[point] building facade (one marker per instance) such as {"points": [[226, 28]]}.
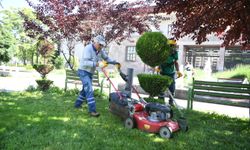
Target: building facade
{"points": [[220, 58]]}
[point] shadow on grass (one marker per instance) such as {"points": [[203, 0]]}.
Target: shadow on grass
{"points": [[36, 120]]}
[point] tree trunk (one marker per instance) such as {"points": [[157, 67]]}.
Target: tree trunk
{"points": [[32, 59], [24, 62], [37, 55]]}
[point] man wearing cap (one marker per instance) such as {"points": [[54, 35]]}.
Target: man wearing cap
{"points": [[89, 60], [171, 67]]}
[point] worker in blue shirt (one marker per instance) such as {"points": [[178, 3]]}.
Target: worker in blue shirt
{"points": [[89, 60]]}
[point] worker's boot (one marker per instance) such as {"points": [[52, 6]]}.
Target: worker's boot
{"points": [[94, 114]]}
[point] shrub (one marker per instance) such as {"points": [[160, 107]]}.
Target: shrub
{"points": [[28, 67], [154, 84], [97, 93], [31, 88], [43, 69], [59, 62], [55, 89], [44, 84], [52, 89], [46, 49], [153, 100], [152, 48], [72, 92]]}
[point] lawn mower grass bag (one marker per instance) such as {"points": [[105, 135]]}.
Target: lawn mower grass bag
{"points": [[118, 106]]}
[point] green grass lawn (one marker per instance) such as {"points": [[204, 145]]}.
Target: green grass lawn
{"points": [[36, 120], [240, 71]]}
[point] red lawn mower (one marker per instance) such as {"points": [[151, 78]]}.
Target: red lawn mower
{"points": [[149, 117]]}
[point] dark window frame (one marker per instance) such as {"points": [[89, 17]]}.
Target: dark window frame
{"points": [[130, 56]]}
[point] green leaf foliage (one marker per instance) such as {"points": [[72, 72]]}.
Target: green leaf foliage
{"points": [[44, 84], [154, 100], [13, 38], [43, 69], [240, 71], [154, 84], [5, 43], [4, 56], [58, 62], [152, 48]]}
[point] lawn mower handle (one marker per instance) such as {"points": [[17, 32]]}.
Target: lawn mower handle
{"points": [[106, 75], [123, 75]]}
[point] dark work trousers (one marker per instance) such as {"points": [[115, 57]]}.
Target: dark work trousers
{"points": [[87, 92], [171, 88]]}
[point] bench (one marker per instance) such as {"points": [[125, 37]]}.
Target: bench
{"points": [[230, 80], [222, 92], [73, 78], [7, 70]]}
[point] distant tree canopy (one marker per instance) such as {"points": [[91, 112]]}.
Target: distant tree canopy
{"points": [[13, 35], [5, 39], [229, 19]]}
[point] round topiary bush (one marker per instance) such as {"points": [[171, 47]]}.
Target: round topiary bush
{"points": [[154, 84], [152, 48]]}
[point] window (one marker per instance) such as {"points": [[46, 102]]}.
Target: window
{"points": [[199, 56], [130, 53], [235, 56]]}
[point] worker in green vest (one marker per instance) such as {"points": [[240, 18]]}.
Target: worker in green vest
{"points": [[171, 68]]}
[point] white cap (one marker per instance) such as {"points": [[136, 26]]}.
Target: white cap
{"points": [[100, 39]]}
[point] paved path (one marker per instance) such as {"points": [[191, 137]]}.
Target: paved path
{"points": [[20, 81], [231, 111]]}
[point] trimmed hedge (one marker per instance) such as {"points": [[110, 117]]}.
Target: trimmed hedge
{"points": [[43, 69], [152, 48], [153, 100], [154, 84], [44, 84]]}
